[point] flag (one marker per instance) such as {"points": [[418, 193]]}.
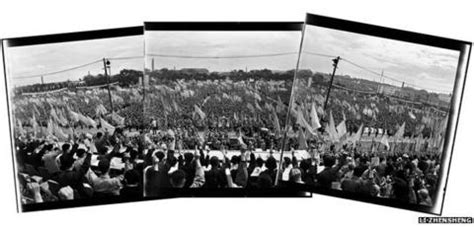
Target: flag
{"points": [[53, 115], [385, 142], [314, 118], [303, 123], [50, 129], [106, 126], [202, 137], [73, 115], [412, 116], [34, 124], [241, 141], [86, 120], [59, 133], [92, 122], [20, 127], [258, 106], [419, 142], [276, 122], [119, 120], [356, 137], [302, 144], [400, 132], [176, 106], [250, 107], [199, 112], [280, 106], [100, 110], [341, 129], [331, 129], [62, 120], [205, 100]]}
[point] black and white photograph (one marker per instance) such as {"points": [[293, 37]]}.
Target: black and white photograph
{"points": [[75, 105], [373, 113], [216, 99]]}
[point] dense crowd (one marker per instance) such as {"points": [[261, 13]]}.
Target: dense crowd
{"points": [[203, 168], [404, 177], [86, 167], [184, 122]]}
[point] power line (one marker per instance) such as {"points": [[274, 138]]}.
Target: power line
{"points": [[388, 77], [320, 54], [222, 57], [126, 58], [57, 72]]}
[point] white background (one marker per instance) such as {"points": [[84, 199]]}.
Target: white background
{"points": [[441, 18]]}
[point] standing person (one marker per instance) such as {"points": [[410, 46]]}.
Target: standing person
{"points": [[68, 176], [102, 183], [329, 174]]}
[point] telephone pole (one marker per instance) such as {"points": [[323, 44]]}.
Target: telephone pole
{"points": [[379, 90], [107, 65], [335, 62]]}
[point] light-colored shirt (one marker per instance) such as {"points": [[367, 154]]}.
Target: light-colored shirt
{"points": [[104, 183]]}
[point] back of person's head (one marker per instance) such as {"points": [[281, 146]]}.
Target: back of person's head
{"points": [[132, 177], [271, 163], [80, 153], [264, 181], [329, 160], [98, 135], [295, 175], [235, 160], [160, 155], [104, 165], [259, 162], [188, 157], [171, 161], [66, 147], [178, 179], [305, 164], [133, 154], [358, 171], [214, 161], [66, 161], [102, 150], [49, 147], [286, 162], [423, 193]]}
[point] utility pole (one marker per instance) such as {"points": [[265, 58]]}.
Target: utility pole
{"points": [[380, 83], [335, 62], [152, 64], [42, 80], [107, 65]]}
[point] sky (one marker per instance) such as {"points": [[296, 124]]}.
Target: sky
{"points": [[25, 63], [421, 66], [222, 44]]}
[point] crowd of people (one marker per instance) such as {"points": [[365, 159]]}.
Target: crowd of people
{"points": [[203, 168], [403, 177], [220, 134], [86, 167]]}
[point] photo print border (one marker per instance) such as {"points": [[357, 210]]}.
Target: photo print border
{"points": [[51, 39], [227, 26], [464, 49]]}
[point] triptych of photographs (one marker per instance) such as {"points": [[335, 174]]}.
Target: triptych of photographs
{"points": [[234, 109]]}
